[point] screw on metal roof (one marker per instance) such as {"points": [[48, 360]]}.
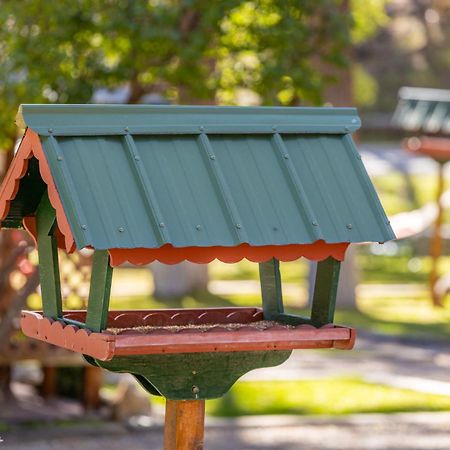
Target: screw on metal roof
{"points": [[121, 229], [198, 227], [84, 227], [349, 226], [162, 225], [59, 158]]}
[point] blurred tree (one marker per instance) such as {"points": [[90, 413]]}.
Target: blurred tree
{"points": [[413, 50], [188, 51]]}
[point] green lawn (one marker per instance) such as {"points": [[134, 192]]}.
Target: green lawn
{"points": [[329, 396]]}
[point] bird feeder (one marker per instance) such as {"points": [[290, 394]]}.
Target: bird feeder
{"points": [[425, 115], [171, 183]]}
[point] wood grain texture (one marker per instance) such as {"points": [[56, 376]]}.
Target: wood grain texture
{"points": [[184, 425]]}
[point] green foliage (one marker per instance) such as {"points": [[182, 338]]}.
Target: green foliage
{"points": [[368, 16], [186, 50]]}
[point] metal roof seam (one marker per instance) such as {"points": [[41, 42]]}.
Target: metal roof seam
{"points": [[362, 174], [305, 207], [151, 204], [64, 184]]}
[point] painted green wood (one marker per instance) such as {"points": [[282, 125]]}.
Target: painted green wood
{"points": [[99, 292], [257, 183], [271, 291], [423, 110], [325, 289], [191, 376], [48, 260]]}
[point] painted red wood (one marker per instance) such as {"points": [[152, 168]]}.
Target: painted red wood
{"points": [[133, 340], [29, 147], [168, 254], [436, 148]]}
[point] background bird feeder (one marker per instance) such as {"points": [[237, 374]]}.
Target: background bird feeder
{"points": [[425, 114], [173, 183]]}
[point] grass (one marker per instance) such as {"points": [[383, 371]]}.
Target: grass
{"points": [[330, 396]]}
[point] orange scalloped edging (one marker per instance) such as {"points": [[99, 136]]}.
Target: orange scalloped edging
{"points": [[168, 254], [78, 340], [31, 146]]}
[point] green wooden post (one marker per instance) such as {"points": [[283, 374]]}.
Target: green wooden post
{"points": [[325, 289], [99, 292], [272, 299], [48, 260]]}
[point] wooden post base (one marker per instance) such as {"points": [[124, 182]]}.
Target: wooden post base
{"points": [[184, 425]]}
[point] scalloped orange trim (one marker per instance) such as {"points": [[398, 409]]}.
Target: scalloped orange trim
{"points": [[168, 254], [78, 340], [31, 146]]}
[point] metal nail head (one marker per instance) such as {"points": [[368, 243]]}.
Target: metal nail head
{"points": [[84, 227], [238, 225], [349, 226], [59, 158], [314, 222], [121, 229], [195, 390], [162, 225], [198, 227]]}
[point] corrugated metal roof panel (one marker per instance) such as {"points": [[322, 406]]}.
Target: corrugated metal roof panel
{"points": [[423, 110], [204, 189], [72, 120]]}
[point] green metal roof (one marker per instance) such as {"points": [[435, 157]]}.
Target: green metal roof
{"points": [[423, 110], [144, 176]]}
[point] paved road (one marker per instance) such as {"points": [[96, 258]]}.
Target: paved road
{"points": [[362, 432]]}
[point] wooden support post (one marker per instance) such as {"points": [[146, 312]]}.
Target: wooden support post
{"points": [[49, 388], [436, 239], [325, 289], [93, 378], [184, 425], [272, 299], [48, 260]]}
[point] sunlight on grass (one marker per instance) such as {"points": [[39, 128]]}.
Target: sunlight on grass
{"points": [[331, 396]]}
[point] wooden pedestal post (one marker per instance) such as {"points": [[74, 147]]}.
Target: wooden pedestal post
{"points": [[436, 239], [184, 425]]}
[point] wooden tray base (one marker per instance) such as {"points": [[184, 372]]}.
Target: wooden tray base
{"points": [[174, 331]]}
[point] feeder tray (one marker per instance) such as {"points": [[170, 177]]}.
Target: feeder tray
{"points": [[182, 331]]}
